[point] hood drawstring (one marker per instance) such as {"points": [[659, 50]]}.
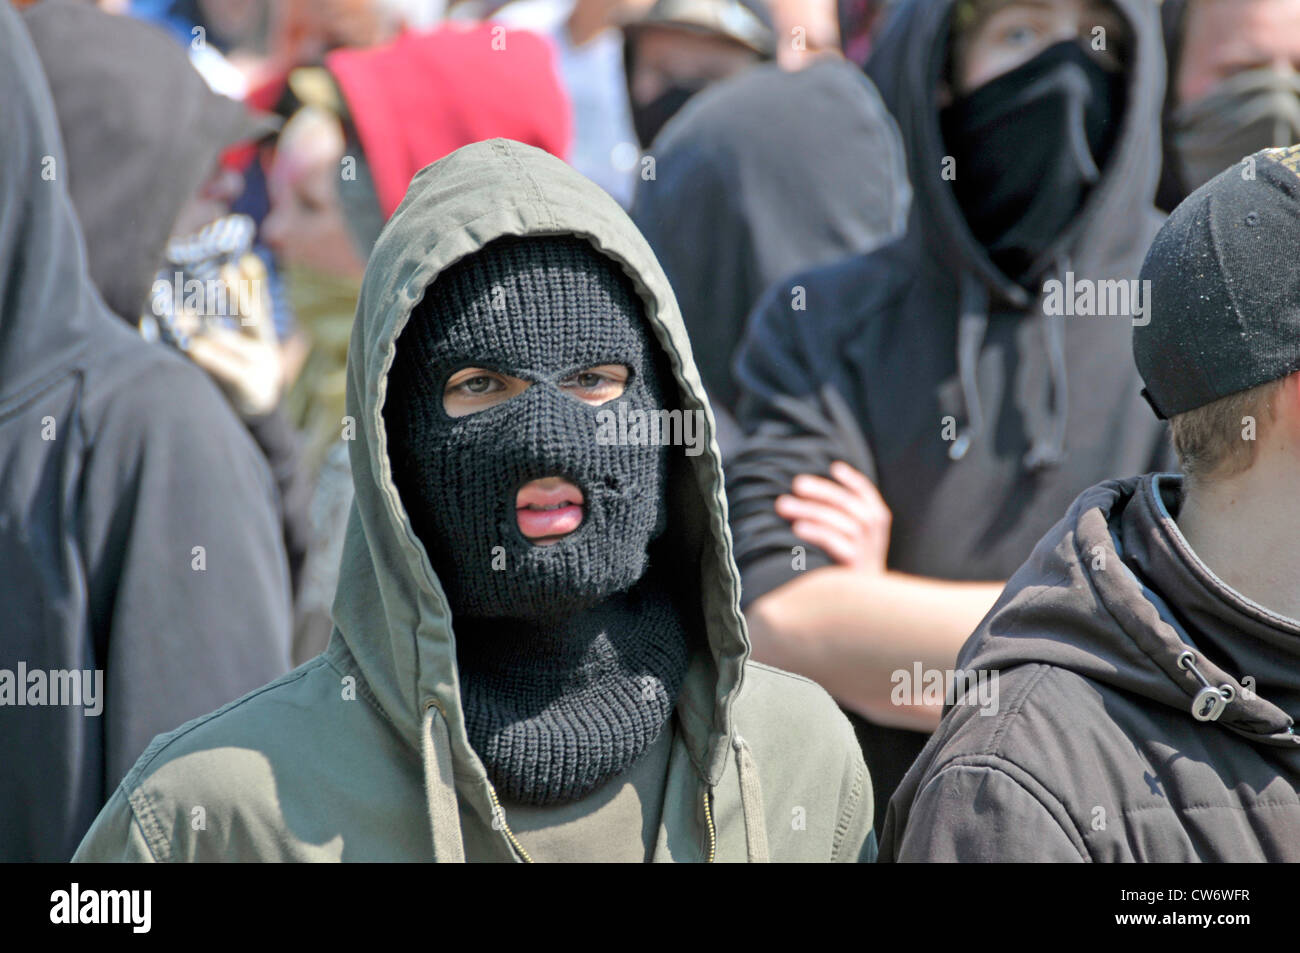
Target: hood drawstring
{"points": [[1209, 702], [751, 802], [1048, 449], [440, 787], [971, 327]]}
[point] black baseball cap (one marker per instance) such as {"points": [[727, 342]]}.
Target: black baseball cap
{"points": [[1224, 298]]}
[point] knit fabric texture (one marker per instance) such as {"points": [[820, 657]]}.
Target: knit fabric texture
{"points": [[567, 673], [543, 310], [555, 712]]}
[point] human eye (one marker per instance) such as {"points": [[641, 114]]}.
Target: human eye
{"points": [[475, 388], [1018, 36], [1019, 29], [598, 384], [483, 384]]}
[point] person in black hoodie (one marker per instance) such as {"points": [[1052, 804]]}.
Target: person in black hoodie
{"points": [[961, 408], [1140, 676], [144, 580], [143, 134], [733, 206]]}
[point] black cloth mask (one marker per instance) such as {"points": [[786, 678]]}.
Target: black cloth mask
{"points": [[649, 118], [1029, 145], [539, 309]]}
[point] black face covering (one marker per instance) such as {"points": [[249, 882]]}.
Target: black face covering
{"points": [[570, 655], [1029, 145], [648, 119], [540, 310]]}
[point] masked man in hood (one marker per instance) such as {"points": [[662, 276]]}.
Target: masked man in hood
{"points": [[369, 120], [538, 651], [145, 135], [1147, 656], [1234, 86], [916, 418], [144, 580]]}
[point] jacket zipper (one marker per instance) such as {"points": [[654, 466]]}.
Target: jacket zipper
{"points": [[708, 820], [498, 812], [510, 835]]}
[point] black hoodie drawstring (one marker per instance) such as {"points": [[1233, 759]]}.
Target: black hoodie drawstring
{"points": [[972, 324], [1048, 449]]}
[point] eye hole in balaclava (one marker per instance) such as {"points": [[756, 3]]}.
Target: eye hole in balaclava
{"points": [[540, 309]]}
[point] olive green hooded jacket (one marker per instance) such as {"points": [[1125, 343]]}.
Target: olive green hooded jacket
{"points": [[361, 754]]}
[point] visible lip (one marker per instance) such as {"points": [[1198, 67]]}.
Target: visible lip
{"points": [[548, 509]]}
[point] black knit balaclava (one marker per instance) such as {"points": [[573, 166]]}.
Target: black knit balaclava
{"points": [[570, 655]]}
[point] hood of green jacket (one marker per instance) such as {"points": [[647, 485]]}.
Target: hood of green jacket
{"points": [[390, 608]]}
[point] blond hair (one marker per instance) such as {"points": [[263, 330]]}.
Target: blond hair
{"points": [[1218, 440]]}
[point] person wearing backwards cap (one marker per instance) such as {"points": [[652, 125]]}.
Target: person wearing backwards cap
{"points": [[1148, 653]]}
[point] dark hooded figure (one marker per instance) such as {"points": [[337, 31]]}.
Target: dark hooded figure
{"points": [[144, 579], [538, 652], [143, 132], [762, 176], [948, 369]]}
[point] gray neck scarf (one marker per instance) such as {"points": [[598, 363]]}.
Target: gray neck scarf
{"points": [[1252, 110]]}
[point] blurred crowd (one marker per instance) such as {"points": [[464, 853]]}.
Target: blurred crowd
{"points": [[897, 434]]}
